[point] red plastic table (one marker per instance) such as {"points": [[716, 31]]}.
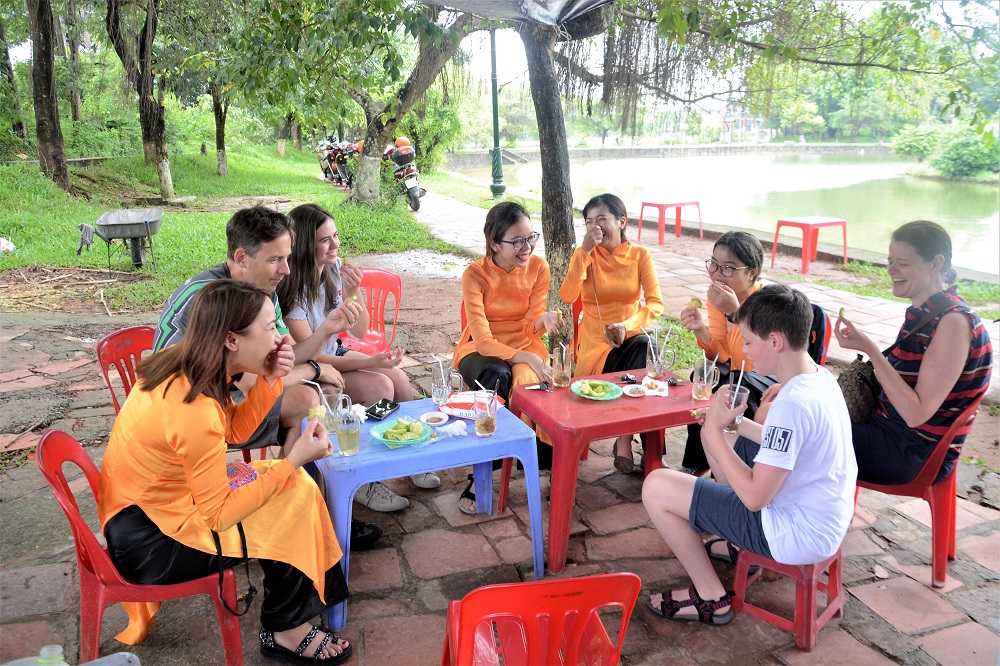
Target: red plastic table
{"points": [[810, 226], [662, 219], [574, 422]]}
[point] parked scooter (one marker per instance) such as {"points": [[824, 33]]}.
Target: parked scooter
{"points": [[324, 148], [333, 160], [405, 172]]}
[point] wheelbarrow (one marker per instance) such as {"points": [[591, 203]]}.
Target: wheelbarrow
{"points": [[135, 227]]}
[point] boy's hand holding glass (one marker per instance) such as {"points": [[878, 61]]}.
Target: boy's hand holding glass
{"points": [[720, 415]]}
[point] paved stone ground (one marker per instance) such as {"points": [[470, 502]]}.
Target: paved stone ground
{"points": [[431, 553]]}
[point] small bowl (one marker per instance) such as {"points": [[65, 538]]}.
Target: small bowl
{"points": [[434, 418], [634, 390]]}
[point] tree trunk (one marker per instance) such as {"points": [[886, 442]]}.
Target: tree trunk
{"points": [[139, 68], [51, 153], [220, 109], [73, 30], [557, 194], [17, 125], [297, 136], [160, 145], [431, 60], [285, 134]]}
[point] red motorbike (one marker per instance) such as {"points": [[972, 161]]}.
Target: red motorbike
{"points": [[404, 170]]}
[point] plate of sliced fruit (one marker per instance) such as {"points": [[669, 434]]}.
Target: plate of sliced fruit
{"points": [[596, 389], [401, 432]]}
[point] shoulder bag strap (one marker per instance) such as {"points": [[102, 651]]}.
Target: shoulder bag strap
{"points": [[935, 312], [248, 597]]}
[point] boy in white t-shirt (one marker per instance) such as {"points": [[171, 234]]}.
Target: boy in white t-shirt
{"points": [[784, 488]]}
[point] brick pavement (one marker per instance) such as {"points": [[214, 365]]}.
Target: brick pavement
{"points": [[431, 553]]}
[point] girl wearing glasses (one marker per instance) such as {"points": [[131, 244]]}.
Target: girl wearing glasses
{"points": [[504, 295], [734, 268], [610, 274]]}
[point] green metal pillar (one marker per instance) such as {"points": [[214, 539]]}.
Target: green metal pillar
{"points": [[498, 187]]}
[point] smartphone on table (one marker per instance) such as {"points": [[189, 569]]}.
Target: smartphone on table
{"points": [[382, 409]]}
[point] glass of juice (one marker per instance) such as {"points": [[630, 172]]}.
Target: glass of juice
{"points": [[485, 405], [704, 379], [735, 397], [348, 428], [562, 367]]}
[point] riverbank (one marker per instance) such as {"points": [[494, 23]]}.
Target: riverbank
{"points": [[481, 158]]}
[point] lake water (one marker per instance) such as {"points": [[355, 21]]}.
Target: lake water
{"points": [[872, 193]]}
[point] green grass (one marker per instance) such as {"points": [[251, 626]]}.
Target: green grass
{"points": [[474, 194], [41, 220], [983, 297]]}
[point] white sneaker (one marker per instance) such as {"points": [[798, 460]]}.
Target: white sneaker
{"points": [[426, 481], [377, 497]]}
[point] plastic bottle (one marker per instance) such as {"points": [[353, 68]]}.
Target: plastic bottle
{"points": [[52, 655]]}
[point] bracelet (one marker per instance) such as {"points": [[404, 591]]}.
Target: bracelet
{"points": [[315, 367]]}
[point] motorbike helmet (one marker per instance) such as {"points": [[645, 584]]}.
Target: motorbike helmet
{"points": [[402, 141], [361, 144]]}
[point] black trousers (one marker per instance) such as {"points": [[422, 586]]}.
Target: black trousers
{"points": [[630, 356], [494, 371], [145, 555]]}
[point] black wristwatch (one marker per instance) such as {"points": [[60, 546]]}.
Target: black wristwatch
{"points": [[315, 367], [731, 317]]}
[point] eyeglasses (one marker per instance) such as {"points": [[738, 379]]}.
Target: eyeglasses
{"points": [[519, 243], [727, 271]]}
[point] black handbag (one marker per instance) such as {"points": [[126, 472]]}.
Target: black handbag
{"points": [[858, 382]]}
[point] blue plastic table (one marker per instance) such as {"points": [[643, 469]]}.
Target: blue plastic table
{"points": [[375, 462]]}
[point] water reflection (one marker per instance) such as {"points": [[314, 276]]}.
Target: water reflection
{"points": [[752, 191]]}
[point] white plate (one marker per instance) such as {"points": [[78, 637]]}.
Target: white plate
{"points": [[634, 390], [439, 418]]}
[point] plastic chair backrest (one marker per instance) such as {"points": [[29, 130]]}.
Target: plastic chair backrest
{"points": [[541, 622], [123, 349], [819, 335], [928, 473], [379, 285], [54, 449]]}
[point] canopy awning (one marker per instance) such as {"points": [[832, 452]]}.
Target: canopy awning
{"points": [[547, 12]]}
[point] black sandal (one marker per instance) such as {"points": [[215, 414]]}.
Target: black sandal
{"points": [[469, 495], [706, 609], [271, 650], [730, 558]]}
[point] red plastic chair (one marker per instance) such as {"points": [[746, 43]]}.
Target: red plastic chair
{"points": [[122, 350], [100, 582], [808, 585], [378, 285], [541, 622], [940, 496]]}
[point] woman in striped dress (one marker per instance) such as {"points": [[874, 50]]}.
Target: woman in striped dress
{"points": [[933, 375]]}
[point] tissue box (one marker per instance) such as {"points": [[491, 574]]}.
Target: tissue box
{"points": [[461, 405]]}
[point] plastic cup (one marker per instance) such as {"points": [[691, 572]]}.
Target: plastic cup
{"points": [[485, 405], [444, 381], [562, 367], [734, 397], [704, 379]]}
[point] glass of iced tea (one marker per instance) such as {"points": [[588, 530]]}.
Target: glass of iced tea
{"points": [[485, 405], [348, 428], [562, 367], [704, 379], [734, 397]]}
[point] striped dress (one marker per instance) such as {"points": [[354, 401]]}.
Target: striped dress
{"points": [[973, 381]]}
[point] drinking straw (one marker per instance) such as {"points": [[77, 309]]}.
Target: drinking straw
{"points": [[319, 389], [481, 386], [740, 381], [714, 360], [440, 365], [656, 358]]}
